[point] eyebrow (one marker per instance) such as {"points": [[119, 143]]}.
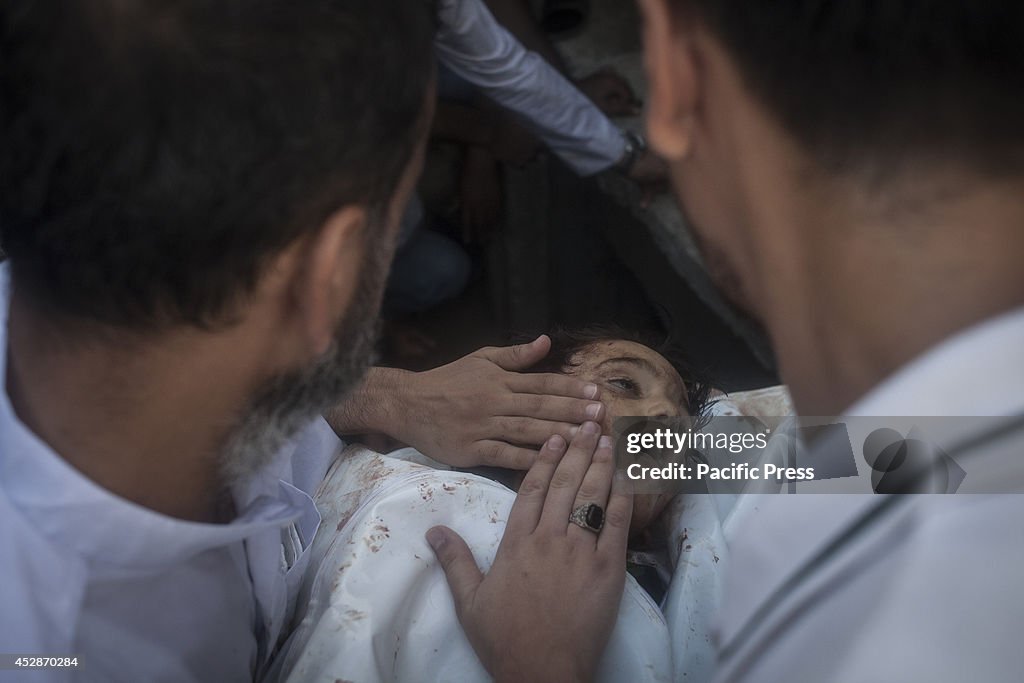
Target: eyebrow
{"points": [[647, 365]]}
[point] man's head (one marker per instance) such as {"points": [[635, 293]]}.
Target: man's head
{"points": [[817, 148], [210, 165]]}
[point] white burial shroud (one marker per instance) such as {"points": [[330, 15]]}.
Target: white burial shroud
{"points": [[378, 607]]}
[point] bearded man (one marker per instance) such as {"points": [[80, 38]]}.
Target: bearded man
{"points": [[199, 206]]}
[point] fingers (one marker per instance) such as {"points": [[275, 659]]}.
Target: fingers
{"points": [[552, 384], [524, 431], [596, 485], [567, 478], [553, 408], [519, 357], [617, 516], [651, 191], [461, 570], [526, 511], [500, 454]]}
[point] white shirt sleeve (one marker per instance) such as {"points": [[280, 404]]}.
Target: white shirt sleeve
{"points": [[474, 46]]}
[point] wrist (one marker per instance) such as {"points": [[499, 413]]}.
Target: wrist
{"points": [[373, 407], [633, 146]]}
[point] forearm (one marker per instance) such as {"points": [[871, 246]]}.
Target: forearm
{"points": [[372, 408], [515, 16], [472, 44]]}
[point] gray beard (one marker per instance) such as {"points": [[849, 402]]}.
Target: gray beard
{"points": [[287, 403]]}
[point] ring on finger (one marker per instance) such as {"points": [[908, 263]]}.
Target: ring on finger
{"points": [[589, 516]]}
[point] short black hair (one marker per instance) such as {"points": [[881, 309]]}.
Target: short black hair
{"points": [[155, 153], [869, 85], [567, 342]]}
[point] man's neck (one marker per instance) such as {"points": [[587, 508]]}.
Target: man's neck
{"points": [[144, 418], [874, 296]]}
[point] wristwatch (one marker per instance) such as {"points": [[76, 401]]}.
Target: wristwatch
{"points": [[635, 145]]}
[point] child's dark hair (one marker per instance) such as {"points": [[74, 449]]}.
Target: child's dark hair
{"points": [[566, 343]]}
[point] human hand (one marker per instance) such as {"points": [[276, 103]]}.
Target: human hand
{"points": [[481, 194], [547, 606], [651, 173], [482, 410], [611, 92], [648, 169]]}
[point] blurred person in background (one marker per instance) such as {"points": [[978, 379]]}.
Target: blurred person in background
{"points": [[502, 102]]}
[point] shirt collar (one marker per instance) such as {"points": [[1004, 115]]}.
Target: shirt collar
{"points": [[76, 513]]}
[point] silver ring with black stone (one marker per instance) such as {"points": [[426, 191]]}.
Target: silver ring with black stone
{"points": [[590, 516]]}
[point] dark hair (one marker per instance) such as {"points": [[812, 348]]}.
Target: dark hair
{"points": [[155, 153], [867, 85], [566, 343]]}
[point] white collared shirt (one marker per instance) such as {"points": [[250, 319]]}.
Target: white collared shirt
{"points": [[137, 595], [929, 591], [473, 45]]}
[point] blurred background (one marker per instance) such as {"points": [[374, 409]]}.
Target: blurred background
{"points": [[542, 246]]}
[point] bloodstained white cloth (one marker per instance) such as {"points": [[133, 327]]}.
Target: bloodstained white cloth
{"points": [[378, 607]]}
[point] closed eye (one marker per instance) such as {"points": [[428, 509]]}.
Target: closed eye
{"points": [[624, 384]]}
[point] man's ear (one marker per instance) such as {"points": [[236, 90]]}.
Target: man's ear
{"points": [[672, 76], [327, 274]]}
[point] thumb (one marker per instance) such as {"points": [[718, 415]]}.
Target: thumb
{"points": [[460, 568], [521, 356]]}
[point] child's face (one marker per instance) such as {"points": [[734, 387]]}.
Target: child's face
{"points": [[635, 381]]}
